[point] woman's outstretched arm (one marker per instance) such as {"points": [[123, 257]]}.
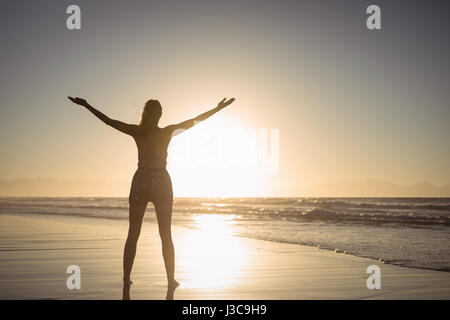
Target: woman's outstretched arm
{"points": [[126, 128], [180, 127]]}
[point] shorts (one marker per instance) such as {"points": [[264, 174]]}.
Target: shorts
{"points": [[151, 185]]}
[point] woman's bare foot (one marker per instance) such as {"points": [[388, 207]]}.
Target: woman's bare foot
{"points": [[171, 286], [126, 290]]}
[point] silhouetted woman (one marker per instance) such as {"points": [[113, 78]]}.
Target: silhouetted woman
{"points": [[151, 182]]}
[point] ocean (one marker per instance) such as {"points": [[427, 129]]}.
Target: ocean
{"points": [[412, 232]]}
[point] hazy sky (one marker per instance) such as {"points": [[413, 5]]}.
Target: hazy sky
{"points": [[348, 103]]}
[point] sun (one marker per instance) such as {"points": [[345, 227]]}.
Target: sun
{"points": [[217, 158]]}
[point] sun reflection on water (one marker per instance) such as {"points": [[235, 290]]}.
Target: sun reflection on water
{"points": [[211, 256], [215, 223]]}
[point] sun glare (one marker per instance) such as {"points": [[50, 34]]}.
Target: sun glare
{"points": [[213, 258], [216, 159]]}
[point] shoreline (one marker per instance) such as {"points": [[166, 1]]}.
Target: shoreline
{"points": [[37, 248], [174, 224]]}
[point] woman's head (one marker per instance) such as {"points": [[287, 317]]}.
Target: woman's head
{"points": [[151, 113]]}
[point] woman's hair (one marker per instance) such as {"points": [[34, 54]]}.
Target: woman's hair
{"points": [[151, 112]]}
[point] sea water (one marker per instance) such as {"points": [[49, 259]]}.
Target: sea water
{"points": [[412, 232]]}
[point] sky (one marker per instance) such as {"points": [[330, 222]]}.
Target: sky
{"points": [[343, 103]]}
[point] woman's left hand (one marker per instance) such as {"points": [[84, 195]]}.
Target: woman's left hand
{"points": [[224, 103]]}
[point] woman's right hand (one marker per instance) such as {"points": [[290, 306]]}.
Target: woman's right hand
{"points": [[79, 101]]}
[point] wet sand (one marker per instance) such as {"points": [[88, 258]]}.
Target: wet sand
{"points": [[35, 251]]}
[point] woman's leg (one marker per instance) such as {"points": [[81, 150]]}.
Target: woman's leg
{"points": [[136, 216], [164, 215]]}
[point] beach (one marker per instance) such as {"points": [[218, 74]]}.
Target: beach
{"points": [[36, 250]]}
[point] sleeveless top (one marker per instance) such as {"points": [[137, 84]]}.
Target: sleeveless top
{"points": [[152, 148]]}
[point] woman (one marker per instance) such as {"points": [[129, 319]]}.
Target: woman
{"points": [[151, 182]]}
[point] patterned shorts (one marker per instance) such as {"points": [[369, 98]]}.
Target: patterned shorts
{"points": [[151, 185]]}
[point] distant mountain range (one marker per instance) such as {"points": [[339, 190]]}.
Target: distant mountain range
{"points": [[63, 188], [93, 188]]}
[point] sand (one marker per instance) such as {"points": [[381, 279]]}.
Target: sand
{"points": [[35, 251]]}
